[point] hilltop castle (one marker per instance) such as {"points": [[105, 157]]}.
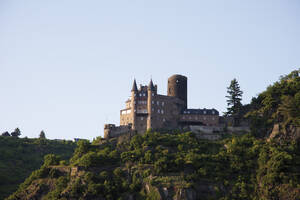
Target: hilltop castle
{"points": [[146, 109]]}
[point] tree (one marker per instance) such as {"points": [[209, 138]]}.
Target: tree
{"points": [[51, 159], [42, 135], [234, 101], [16, 133], [5, 134]]}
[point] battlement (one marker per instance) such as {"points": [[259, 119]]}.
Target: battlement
{"points": [[111, 130]]}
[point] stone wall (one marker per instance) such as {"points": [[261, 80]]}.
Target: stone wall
{"points": [[207, 132], [238, 129], [111, 130]]}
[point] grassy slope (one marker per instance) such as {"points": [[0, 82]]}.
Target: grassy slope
{"points": [[20, 156]]}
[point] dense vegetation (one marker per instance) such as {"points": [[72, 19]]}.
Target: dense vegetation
{"points": [[233, 168], [181, 166], [280, 103], [20, 156]]}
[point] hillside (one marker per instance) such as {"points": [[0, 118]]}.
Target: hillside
{"points": [[166, 166], [177, 165], [20, 156], [278, 105]]}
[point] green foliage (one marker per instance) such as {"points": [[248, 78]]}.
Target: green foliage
{"points": [[240, 168], [19, 157], [234, 101], [51, 159], [42, 135], [278, 104], [16, 133]]}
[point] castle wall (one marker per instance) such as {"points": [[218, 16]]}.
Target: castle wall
{"points": [[126, 116], [110, 130], [208, 120], [165, 111]]}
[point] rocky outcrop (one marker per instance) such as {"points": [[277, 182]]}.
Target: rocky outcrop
{"points": [[289, 132]]}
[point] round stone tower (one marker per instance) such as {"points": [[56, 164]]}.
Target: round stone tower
{"points": [[177, 87]]}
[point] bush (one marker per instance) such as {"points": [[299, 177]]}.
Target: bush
{"points": [[51, 159]]}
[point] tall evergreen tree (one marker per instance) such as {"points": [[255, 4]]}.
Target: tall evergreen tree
{"points": [[42, 135], [234, 101]]}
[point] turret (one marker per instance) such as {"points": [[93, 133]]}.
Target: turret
{"points": [[151, 93], [133, 104], [177, 87], [134, 86]]}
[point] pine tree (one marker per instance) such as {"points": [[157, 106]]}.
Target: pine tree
{"points": [[234, 101], [42, 135]]}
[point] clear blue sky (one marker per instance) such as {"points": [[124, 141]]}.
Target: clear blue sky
{"points": [[66, 66]]}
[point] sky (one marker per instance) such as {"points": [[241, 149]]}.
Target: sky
{"points": [[67, 66]]}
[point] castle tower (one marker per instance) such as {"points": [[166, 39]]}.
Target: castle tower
{"points": [[133, 104], [177, 87], [151, 94]]}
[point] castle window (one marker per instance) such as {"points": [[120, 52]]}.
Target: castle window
{"points": [[204, 112], [144, 94], [163, 103], [152, 102], [164, 119], [158, 103], [152, 109], [213, 112], [140, 94], [142, 118], [153, 94], [158, 111]]}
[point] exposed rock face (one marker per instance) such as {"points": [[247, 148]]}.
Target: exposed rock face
{"points": [[285, 132], [201, 190]]}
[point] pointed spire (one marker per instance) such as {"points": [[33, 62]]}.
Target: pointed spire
{"points": [[151, 86], [134, 87]]}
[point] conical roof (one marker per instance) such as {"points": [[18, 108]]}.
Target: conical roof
{"points": [[134, 87], [151, 85]]}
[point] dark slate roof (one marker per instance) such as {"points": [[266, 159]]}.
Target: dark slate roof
{"points": [[200, 111], [134, 87], [151, 86]]}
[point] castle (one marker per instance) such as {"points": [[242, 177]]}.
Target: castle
{"points": [[146, 109]]}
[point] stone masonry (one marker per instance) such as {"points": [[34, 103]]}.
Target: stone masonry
{"points": [[146, 109]]}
